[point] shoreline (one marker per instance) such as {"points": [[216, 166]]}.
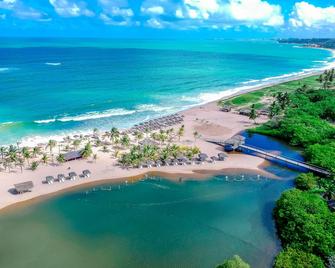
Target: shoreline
{"points": [[207, 119], [201, 174], [232, 92]]}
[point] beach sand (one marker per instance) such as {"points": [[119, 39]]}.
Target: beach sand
{"points": [[207, 119]]}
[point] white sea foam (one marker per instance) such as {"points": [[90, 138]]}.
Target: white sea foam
{"points": [[46, 121], [152, 108], [250, 82], [7, 69], [7, 123], [96, 115], [53, 63]]}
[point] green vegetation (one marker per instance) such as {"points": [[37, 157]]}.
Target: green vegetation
{"points": [[87, 151], [293, 258], [302, 113], [306, 182], [257, 96], [322, 154], [139, 155], [234, 262], [305, 117], [34, 165], [247, 98], [305, 222]]}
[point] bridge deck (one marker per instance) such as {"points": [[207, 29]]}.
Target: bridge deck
{"points": [[278, 157]]}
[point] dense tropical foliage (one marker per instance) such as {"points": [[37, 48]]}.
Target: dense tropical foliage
{"points": [[234, 262], [305, 117], [295, 258]]}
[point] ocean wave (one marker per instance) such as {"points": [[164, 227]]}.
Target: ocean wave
{"points": [[7, 69], [320, 61], [152, 108], [7, 123], [250, 82], [96, 115], [87, 116], [46, 121], [53, 63]]}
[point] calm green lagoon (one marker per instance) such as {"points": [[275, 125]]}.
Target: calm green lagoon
{"points": [[150, 223]]}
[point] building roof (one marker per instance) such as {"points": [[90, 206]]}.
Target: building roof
{"points": [[72, 155], [24, 186]]}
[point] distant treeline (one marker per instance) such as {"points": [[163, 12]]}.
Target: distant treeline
{"points": [[316, 42]]}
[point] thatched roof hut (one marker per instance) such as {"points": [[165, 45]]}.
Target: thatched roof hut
{"points": [[72, 156], [23, 187]]}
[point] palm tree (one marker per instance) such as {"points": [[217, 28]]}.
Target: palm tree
{"points": [[3, 151], [98, 143], [20, 163], [51, 144], [60, 158], [26, 154], [12, 156], [87, 151], [274, 109], [36, 151], [45, 158], [196, 135], [76, 143], [181, 132], [253, 114], [105, 149], [12, 149], [114, 134], [138, 135], [34, 165], [95, 157], [125, 141], [146, 131], [7, 164]]}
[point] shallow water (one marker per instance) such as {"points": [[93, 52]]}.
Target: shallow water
{"points": [[150, 223], [52, 87]]}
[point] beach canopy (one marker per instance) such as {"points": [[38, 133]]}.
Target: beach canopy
{"points": [[49, 179], [23, 186], [148, 141], [222, 156]]}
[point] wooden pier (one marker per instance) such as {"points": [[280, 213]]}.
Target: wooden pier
{"points": [[267, 155]]}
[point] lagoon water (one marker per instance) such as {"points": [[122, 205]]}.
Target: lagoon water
{"points": [[53, 87], [150, 223]]}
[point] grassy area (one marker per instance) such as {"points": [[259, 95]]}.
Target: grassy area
{"points": [[256, 97]]}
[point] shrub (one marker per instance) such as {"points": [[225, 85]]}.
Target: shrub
{"points": [[305, 222], [294, 258], [306, 181], [234, 262], [322, 155]]}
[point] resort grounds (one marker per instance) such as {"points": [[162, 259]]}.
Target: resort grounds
{"points": [[199, 124]]}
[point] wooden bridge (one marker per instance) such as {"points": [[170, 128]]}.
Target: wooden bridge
{"points": [[266, 155]]}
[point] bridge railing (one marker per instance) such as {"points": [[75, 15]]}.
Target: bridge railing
{"points": [[284, 157], [263, 151]]}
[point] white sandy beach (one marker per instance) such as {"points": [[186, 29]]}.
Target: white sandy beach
{"points": [[207, 119]]}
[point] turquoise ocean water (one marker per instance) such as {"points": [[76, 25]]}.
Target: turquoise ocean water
{"points": [[54, 87]]}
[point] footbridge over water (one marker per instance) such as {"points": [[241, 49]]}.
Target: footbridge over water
{"points": [[242, 147]]}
